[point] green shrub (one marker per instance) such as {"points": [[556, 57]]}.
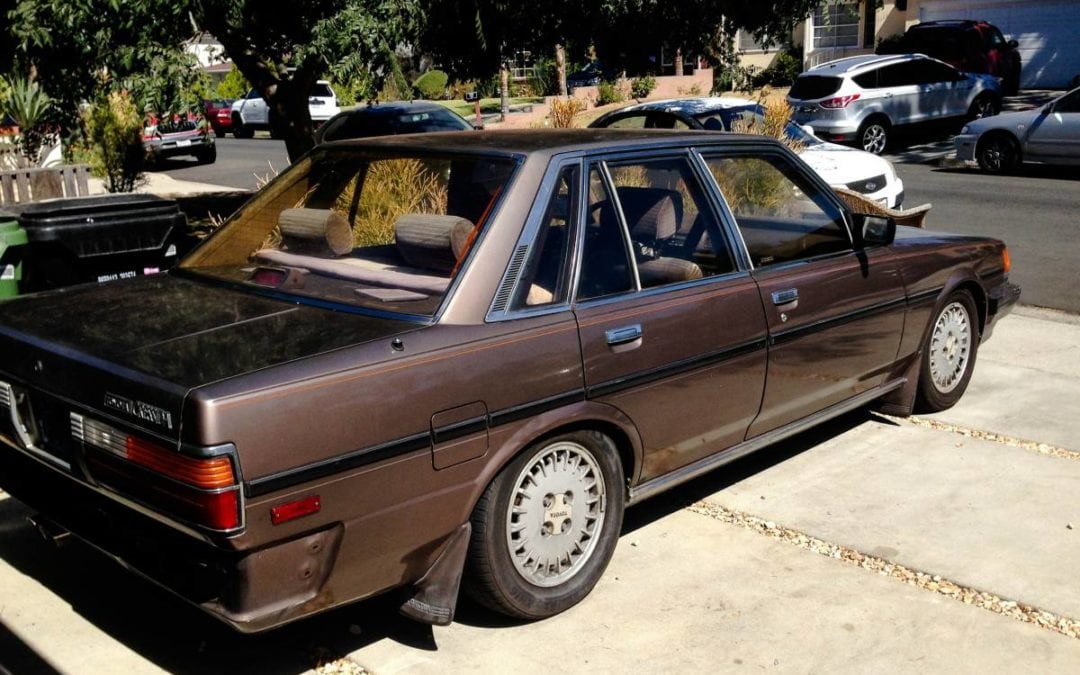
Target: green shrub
{"points": [[234, 85], [431, 85], [114, 130], [641, 87], [607, 93], [785, 68]]}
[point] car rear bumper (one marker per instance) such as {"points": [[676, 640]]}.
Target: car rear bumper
{"points": [[250, 590], [170, 147]]}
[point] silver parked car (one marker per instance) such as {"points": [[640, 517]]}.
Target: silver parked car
{"points": [[863, 99], [1049, 135]]}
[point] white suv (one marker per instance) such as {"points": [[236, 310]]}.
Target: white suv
{"points": [[251, 112], [862, 99]]}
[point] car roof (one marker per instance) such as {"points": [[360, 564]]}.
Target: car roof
{"points": [[396, 107], [689, 106], [863, 61], [546, 141], [948, 23]]}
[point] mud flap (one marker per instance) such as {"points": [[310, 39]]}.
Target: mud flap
{"points": [[901, 401], [433, 599]]}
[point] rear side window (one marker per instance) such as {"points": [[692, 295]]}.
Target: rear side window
{"points": [[867, 80], [815, 86]]}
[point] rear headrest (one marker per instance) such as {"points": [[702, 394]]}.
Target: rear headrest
{"points": [[317, 232], [430, 241], [651, 213]]}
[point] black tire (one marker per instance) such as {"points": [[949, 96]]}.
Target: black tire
{"points": [[873, 135], [219, 132], [984, 105], [207, 155], [239, 130], [948, 356], [494, 573], [998, 153]]}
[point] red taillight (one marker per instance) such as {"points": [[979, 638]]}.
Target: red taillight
{"points": [[198, 490], [1006, 261], [839, 101]]}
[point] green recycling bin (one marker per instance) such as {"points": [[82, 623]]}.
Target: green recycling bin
{"points": [[12, 247]]}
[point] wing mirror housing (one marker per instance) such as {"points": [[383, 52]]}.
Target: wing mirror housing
{"points": [[809, 129], [877, 231]]}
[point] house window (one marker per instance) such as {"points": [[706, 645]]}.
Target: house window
{"points": [[836, 24], [748, 43]]}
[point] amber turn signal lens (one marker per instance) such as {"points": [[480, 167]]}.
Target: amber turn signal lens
{"points": [[1005, 259], [208, 474]]}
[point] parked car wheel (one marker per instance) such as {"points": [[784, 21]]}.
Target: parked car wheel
{"points": [[239, 130], [998, 153], [873, 135], [546, 527], [207, 155], [948, 357], [984, 105], [219, 132]]}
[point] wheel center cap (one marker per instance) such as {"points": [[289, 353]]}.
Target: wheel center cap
{"points": [[557, 515]]}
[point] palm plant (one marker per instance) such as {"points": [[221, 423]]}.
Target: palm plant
{"points": [[30, 107]]}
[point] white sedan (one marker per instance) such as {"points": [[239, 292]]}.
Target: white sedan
{"points": [[838, 165], [1048, 135]]}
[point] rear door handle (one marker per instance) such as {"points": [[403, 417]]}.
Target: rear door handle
{"points": [[624, 335], [786, 296]]}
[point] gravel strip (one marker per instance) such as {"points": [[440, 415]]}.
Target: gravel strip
{"points": [[969, 596], [1032, 446], [340, 667]]}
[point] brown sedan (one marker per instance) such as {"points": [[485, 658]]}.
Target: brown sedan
{"points": [[416, 357]]}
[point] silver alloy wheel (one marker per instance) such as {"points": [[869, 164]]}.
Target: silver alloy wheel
{"points": [[556, 513], [873, 139], [950, 347]]}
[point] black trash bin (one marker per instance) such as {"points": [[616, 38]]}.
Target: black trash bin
{"points": [[102, 238]]}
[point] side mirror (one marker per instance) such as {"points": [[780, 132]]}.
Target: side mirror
{"points": [[877, 231], [809, 129], [1013, 44]]}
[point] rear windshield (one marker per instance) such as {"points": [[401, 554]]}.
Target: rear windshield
{"points": [[364, 123], [386, 232], [814, 86], [322, 89]]}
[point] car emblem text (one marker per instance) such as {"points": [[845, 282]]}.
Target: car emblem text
{"points": [[140, 410]]}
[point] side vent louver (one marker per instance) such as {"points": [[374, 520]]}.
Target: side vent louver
{"points": [[507, 287]]}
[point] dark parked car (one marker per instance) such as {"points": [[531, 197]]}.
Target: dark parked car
{"points": [[219, 114], [971, 46], [414, 357], [178, 135], [384, 119], [590, 76]]}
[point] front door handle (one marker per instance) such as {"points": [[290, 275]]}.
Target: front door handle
{"points": [[786, 296], [624, 335]]}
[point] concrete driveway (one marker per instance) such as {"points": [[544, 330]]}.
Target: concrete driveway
{"points": [[946, 543]]}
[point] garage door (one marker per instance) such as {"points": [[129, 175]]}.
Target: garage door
{"points": [[1047, 31]]}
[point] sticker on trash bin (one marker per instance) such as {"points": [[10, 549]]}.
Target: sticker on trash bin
{"points": [[8, 273]]}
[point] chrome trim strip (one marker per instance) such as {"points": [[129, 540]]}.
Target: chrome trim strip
{"points": [[657, 485]]}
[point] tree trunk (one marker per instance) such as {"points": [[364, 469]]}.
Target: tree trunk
{"points": [[678, 62], [504, 91], [560, 64]]}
